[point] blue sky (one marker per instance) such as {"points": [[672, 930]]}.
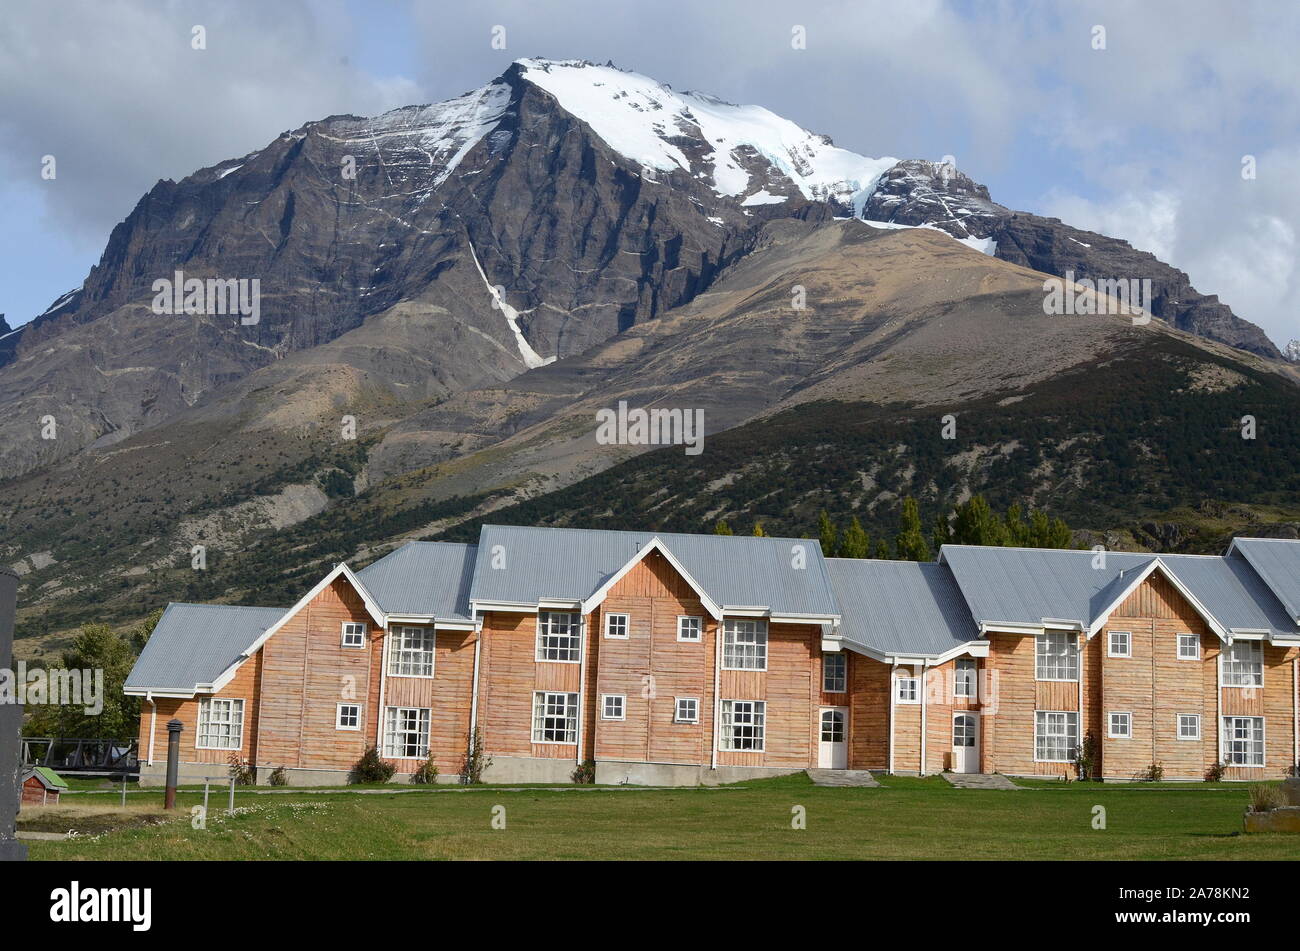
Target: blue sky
{"points": [[1142, 139]]}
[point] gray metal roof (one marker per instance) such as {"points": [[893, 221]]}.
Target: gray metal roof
{"points": [[1278, 562], [900, 607], [571, 564], [1029, 585], [195, 643], [423, 578]]}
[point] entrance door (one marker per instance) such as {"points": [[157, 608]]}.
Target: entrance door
{"points": [[833, 753], [965, 742]]}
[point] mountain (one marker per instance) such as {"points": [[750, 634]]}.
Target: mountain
{"points": [[503, 266]]}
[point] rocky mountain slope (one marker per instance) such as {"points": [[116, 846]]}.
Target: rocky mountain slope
{"points": [[500, 267]]}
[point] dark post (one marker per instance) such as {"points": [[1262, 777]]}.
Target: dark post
{"points": [[11, 721], [174, 728]]}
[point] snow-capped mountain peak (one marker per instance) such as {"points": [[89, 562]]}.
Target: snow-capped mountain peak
{"points": [[1292, 351], [744, 152]]}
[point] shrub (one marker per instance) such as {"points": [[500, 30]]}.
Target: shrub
{"points": [[585, 774], [426, 774], [242, 773], [1265, 797], [476, 761], [1154, 773], [1215, 773], [371, 768], [279, 777], [1085, 760]]}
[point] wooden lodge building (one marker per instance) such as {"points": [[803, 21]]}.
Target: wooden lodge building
{"points": [[684, 659]]}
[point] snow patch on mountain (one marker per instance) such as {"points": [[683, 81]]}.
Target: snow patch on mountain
{"points": [[1292, 351], [650, 124], [530, 356]]}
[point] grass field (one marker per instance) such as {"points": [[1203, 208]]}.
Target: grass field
{"points": [[906, 819]]}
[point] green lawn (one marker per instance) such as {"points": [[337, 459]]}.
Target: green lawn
{"points": [[906, 819]]}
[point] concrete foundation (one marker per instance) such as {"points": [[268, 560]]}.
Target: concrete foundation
{"points": [[665, 774]]}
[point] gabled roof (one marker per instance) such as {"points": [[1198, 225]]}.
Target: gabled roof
{"points": [[737, 571], [194, 644], [1277, 561], [1030, 586], [423, 579], [900, 607], [48, 777]]}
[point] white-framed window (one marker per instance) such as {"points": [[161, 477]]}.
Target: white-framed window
{"points": [[617, 625], [1119, 726], [744, 723], [690, 628], [1189, 726], [835, 672], [221, 724], [688, 710], [612, 706], [559, 636], [347, 716], [963, 677], [1056, 736], [1056, 655], [411, 652], [354, 633], [1121, 644], [1189, 647], [1243, 741], [555, 717], [406, 732], [744, 644], [907, 689], [1243, 664]]}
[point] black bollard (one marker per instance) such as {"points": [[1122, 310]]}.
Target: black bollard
{"points": [[174, 728], [11, 720]]}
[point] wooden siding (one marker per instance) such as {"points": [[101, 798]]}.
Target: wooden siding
{"points": [[245, 685], [868, 713]]}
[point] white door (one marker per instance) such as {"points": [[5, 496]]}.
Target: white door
{"points": [[965, 742], [833, 752]]}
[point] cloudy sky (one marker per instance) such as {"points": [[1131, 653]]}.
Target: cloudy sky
{"points": [[1143, 140]]}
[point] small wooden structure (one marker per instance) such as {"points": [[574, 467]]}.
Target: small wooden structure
{"points": [[41, 787]]}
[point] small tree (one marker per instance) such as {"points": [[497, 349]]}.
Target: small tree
{"points": [[585, 773], [476, 760], [279, 777], [427, 772], [855, 544], [721, 527], [242, 773], [1085, 759], [828, 533], [371, 768], [758, 530], [910, 544]]}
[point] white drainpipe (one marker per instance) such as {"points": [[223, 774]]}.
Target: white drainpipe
{"points": [[925, 677], [383, 684], [717, 686], [473, 698], [582, 678], [153, 722], [893, 694]]}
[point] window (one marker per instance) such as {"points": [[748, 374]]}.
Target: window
{"points": [[963, 682], [832, 726], [1056, 736], [1243, 664], [743, 725], [559, 636], [688, 710], [835, 668], [1189, 726], [1243, 741], [1056, 656], [1189, 647], [744, 645], [411, 653], [555, 717], [690, 628], [406, 732], [616, 625], [612, 706], [347, 716], [1121, 644], [1119, 726], [354, 634], [908, 689], [221, 725]]}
